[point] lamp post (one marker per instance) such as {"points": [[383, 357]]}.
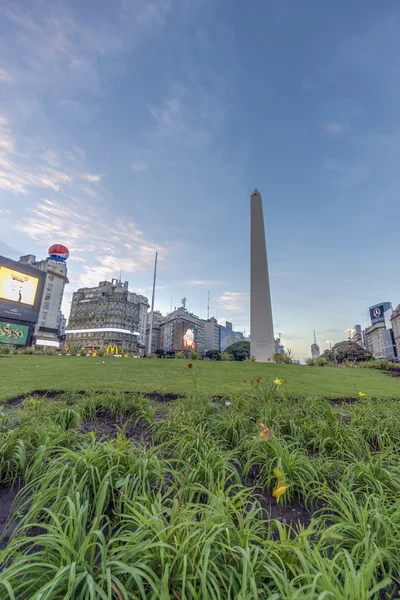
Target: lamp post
{"points": [[330, 342], [349, 332]]}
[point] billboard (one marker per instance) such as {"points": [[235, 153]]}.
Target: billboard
{"points": [[21, 290], [377, 312], [17, 286], [184, 336], [13, 333]]}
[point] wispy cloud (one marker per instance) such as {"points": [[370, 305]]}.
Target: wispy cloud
{"points": [[335, 128], [201, 282], [113, 244], [233, 302], [24, 168], [5, 76], [140, 165]]}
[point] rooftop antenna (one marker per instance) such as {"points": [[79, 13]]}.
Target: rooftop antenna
{"points": [[315, 339], [208, 306], [120, 275], [152, 305], [171, 305]]}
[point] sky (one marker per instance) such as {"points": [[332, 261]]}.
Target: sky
{"points": [[134, 126]]}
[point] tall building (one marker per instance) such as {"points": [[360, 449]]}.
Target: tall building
{"points": [[46, 331], [315, 349], [358, 336], [395, 320], [156, 331], [143, 304], [262, 344], [182, 331], [211, 335], [105, 315], [379, 337], [279, 347]]}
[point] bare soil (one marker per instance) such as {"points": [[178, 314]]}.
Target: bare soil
{"points": [[106, 426], [7, 498], [162, 397]]}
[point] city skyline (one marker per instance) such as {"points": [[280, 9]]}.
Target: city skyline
{"points": [[128, 128]]}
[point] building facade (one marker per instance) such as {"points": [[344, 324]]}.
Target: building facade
{"points": [[46, 331], [182, 331], [156, 331], [211, 335], [395, 321], [105, 315]]}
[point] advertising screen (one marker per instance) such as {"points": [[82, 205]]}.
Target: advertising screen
{"points": [[21, 290], [17, 286], [188, 338], [13, 333], [377, 312]]}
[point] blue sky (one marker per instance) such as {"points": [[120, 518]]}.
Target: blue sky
{"points": [[129, 126]]}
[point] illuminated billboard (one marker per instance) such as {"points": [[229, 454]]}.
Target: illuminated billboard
{"points": [[21, 290], [188, 338], [13, 333], [17, 286]]}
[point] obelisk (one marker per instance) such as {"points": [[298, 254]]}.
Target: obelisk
{"points": [[262, 342]]}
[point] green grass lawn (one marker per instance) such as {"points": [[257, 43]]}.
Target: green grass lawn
{"points": [[23, 374]]}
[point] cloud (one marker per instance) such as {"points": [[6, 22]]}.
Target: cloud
{"points": [[200, 282], [335, 128], [140, 165], [233, 301], [55, 47], [5, 76], [114, 243], [24, 166], [92, 177]]}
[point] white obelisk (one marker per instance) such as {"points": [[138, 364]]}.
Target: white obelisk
{"points": [[262, 341]]}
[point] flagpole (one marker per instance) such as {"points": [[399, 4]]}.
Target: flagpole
{"points": [[152, 307]]}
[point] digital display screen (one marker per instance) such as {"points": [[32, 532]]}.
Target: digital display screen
{"points": [[188, 338], [17, 287], [11, 333]]}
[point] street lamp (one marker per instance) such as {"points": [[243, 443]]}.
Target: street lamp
{"points": [[349, 332], [330, 342]]}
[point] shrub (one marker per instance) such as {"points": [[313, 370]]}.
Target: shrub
{"points": [[5, 350], [321, 361], [100, 352], [49, 351], [213, 354], [83, 352], [225, 356], [251, 359], [311, 362], [194, 355]]}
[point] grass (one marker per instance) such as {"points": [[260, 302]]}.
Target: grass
{"points": [[23, 374], [190, 513]]}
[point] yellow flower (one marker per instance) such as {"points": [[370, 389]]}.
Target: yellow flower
{"points": [[362, 395], [279, 490], [279, 475], [265, 432], [324, 486], [278, 382]]}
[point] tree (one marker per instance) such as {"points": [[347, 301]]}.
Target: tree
{"points": [[213, 354], [347, 350], [239, 350]]}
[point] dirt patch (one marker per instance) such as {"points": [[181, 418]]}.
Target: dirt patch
{"points": [[294, 515], [162, 397], [37, 394], [339, 401], [393, 372], [106, 426], [7, 498]]}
